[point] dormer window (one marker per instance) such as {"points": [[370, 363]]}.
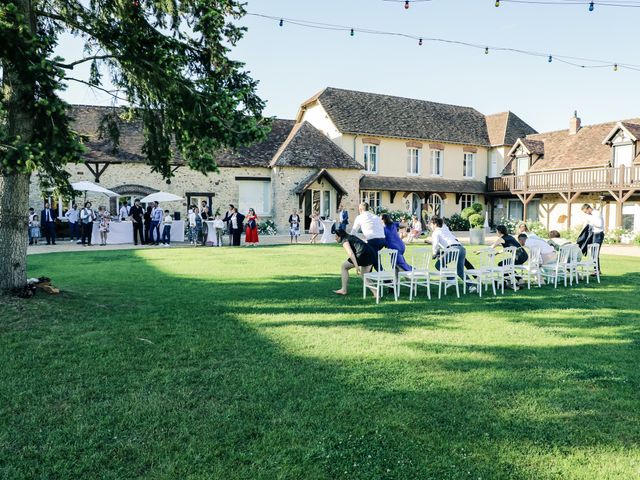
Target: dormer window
{"points": [[623, 155], [522, 165]]}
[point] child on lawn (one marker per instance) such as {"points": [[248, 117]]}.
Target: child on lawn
{"points": [[34, 230], [166, 230]]}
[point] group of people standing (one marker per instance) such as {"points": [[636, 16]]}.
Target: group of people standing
{"points": [[80, 224]]}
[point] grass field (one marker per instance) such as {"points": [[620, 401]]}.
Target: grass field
{"points": [[225, 364]]}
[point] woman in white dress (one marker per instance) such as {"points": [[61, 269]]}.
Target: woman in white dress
{"points": [[314, 228]]}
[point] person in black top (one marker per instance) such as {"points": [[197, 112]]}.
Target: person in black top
{"points": [[507, 240], [227, 221], [147, 225], [137, 217], [362, 257], [48, 222]]}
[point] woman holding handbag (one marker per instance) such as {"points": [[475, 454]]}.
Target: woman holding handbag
{"points": [[251, 233]]}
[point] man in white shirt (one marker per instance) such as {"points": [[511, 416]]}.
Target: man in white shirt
{"points": [[124, 211], [441, 239], [596, 225], [371, 226], [156, 220], [547, 252], [73, 216]]}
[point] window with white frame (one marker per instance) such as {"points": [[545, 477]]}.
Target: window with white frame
{"points": [[371, 158], [466, 200], [413, 161], [254, 194], [372, 198], [623, 155], [436, 162], [469, 165], [522, 165]]}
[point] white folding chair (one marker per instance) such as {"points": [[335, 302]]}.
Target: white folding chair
{"points": [[385, 276], [419, 275], [507, 271], [589, 265], [562, 268], [485, 274], [532, 268], [447, 276]]}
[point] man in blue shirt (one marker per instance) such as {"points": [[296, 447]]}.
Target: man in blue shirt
{"points": [[156, 220]]}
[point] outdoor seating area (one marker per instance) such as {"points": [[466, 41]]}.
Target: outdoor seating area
{"points": [[496, 269]]}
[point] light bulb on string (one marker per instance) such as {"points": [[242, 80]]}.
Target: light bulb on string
{"points": [[486, 50], [550, 59], [497, 3], [420, 42], [615, 67], [591, 6], [406, 5], [281, 23], [352, 32]]}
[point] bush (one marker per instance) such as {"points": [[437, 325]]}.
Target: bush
{"points": [[476, 220], [267, 227], [636, 241], [477, 207], [614, 236], [457, 223], [467, 212], [538, 228], [396, 215]]}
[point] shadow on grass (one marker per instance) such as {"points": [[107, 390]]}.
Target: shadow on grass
{"points": [[172, 377]]}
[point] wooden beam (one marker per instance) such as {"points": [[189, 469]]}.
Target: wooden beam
{"points": [[547, 210], [619, 205], [615, 197], [392, 195], [97, 171], [628, 194]]}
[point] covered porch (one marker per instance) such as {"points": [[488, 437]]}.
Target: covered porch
{"points": [[319, 193]]}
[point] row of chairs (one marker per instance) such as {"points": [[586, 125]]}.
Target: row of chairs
{"points": [[494, 269]]}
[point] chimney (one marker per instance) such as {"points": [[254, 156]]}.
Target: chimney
{"points": [[574, 124]]}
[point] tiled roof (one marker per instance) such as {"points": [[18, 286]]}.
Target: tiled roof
{"points": [[308, 147], [86, 120], [259, 154], [582, 150], [389, 116], [506, 127], [535, 147], [634, 128], [304, 185], [416, 184]]}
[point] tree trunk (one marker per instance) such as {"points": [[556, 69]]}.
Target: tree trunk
{"points": [[14, 201], [14, 187]]}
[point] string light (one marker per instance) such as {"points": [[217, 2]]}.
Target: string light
{"points": [[497, 3], [615, 67], [281, 22], [406, 5], [604, 3], [591, 6], [579, 62]]}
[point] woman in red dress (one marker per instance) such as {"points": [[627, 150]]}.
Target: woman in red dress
{"points": [[251, 233]]}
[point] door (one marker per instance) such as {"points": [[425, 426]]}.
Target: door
{"points": [[307, 209]]}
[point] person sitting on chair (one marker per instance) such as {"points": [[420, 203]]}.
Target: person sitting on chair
{"points": [[547, 253], [442, 238], [362, 257], [505, 240], [394, 241], [556, 241]]}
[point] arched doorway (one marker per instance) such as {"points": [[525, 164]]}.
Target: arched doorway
{"points": [[435, 206]]}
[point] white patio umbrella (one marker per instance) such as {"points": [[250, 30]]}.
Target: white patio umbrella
{"points": [[160, 197], [85, 187]]}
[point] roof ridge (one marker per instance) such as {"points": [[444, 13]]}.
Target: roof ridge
{"points": [[294, 131], [403, 98]]}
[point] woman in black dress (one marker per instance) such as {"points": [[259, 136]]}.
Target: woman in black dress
{"points": [[362, 257], [505, 240], [147, 225]]}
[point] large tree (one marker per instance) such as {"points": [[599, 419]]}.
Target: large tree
{"points": [[168, 60]]}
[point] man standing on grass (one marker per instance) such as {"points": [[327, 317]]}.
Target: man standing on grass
{"points": [[137, 214], [73, 216], [596, 226], [156, 220], [371, 226], [48, 219]]}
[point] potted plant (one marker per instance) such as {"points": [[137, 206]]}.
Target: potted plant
{"points": [[476, 223]]}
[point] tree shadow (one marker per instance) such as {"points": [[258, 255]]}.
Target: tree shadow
{"points": [[178, 377]]}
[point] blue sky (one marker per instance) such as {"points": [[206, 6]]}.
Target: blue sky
{"points": [[292, 63]]}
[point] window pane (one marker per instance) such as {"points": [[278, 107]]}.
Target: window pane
{"points": [[326, 203], [256, 195]]}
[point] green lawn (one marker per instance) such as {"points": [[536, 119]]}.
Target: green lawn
{"points": [[223, 364]]}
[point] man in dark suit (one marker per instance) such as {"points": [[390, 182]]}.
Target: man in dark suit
{"points": [[236, 219], [227, 221], [137, 217], [48, 222]]}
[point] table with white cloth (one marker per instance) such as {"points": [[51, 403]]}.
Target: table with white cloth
{"points": [[327, 236], [119, 232], [122, 232]]}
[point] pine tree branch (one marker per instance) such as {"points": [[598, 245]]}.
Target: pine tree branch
{"points": [[70, 66], [97, 87]]}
